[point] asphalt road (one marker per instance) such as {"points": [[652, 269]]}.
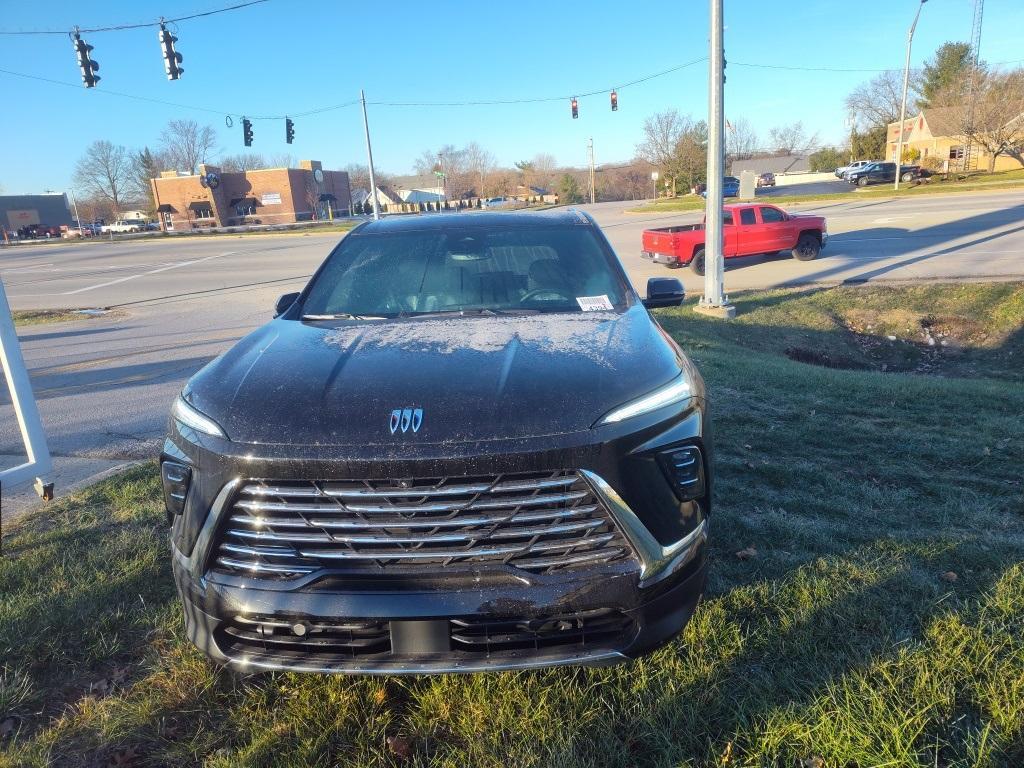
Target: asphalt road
{"points": [[104, 385]]}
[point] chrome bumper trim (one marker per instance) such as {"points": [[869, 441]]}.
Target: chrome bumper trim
{"points": [[656, 561], [421, 667]]}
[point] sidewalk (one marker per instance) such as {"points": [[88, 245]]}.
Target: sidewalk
{"points": [[69, 474]]}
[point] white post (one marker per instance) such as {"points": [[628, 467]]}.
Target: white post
{"points": [[39, 463], [715, 302], [369, 157]]}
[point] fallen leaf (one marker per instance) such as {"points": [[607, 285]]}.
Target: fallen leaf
{"points": [[380, 695], [746, 554], [400, 746], [726, 757], [813, 762], [7, 726], [949, 576]]}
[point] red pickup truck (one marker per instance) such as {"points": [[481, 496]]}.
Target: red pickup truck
{"points": [[749, 229]]}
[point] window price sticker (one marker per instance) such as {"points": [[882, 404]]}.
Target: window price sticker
{"points": [[593, 303]]}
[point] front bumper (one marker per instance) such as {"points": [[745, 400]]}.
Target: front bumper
{"points": [[418, 619]]}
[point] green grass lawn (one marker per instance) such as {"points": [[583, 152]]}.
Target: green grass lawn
{"points": [[880, 623], [974, 182], [41, 316]]}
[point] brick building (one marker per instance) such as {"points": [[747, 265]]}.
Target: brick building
{"points": [[268, 196]]}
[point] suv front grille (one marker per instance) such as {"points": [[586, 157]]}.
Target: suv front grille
{"points": [[538, 522]]}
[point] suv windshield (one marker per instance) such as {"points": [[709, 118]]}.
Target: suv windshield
{"points": [[390, 274]]}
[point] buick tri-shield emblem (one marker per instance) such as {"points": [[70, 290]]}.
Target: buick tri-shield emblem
{"points": [[406, 419]]}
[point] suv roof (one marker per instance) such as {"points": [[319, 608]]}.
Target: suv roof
{"points": [[482, 220]]}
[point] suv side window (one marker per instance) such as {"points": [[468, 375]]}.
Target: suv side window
{"points": [[747, 216], [771, 215]]}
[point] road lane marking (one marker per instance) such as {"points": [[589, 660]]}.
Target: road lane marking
{"points": [[145, 274]]}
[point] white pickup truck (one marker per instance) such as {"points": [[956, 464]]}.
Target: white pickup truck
{"points": [[124, 225]]}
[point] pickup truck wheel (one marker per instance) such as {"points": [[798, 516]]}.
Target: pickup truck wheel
{"points": [[697, 263], [908, 176], [862, 181], [807, 248]]}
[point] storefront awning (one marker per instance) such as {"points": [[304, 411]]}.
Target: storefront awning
{"points": [[166, 208], [247, 202], [328, 197], [200, 205]]}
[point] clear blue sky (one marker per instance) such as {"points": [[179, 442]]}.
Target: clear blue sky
{"points": [[288, 57]]}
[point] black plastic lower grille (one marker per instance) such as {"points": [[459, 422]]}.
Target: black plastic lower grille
{"points": [[298, 639], [586, 629]]}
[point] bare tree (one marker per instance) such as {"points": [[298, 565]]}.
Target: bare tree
{"points": [[359, 177], [741, 139], [677, 145], [187, 144], [877, 102], [244, 161], [105, 172], [450, 161], [544, 167], [792, 138], [997, 124], [479, 164], [146, 166], [283, 160]]}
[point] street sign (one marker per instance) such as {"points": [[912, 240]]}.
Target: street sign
{"points": [[654, 175]]}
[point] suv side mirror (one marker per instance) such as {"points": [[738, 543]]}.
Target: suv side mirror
{"points": [[664, 292], [284, 302]]}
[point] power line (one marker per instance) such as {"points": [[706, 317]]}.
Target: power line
{"points": [[140, 25], [538, 100]]}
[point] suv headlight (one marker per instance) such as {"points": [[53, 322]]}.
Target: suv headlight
{"points": [[190, 417], [676, 391]]}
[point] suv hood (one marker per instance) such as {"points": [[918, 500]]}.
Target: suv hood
{"points": [[475, 377]]}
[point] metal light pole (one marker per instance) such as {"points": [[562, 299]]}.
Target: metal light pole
{"points": [[369, 158], [714, 301], [590, 152], [903, 102]]}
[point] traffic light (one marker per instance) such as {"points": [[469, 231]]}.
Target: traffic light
{"points": [[615, 102], [289, 130], [85, 63], [575, 108], [247, 131], [172, 59]]}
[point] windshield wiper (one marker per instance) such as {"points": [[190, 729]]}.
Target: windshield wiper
{"points": [[470, 311], [343, 316]]}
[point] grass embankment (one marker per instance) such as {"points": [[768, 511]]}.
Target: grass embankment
{"points": [[936, 184], [880, 622], [41, 316]]}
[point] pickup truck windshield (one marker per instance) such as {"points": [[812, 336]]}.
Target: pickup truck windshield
{"points": [[407, 273]]}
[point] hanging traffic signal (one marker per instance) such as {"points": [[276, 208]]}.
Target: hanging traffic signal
{"points": [[85, 63], [247, 131], [575, 108], [289, 130], [615, 102], [172, 59]]}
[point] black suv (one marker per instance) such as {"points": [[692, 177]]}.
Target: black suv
{"points": [[466, 445], [879, 173]]}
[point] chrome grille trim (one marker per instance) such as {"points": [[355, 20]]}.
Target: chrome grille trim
{"points": [[534, 521]]}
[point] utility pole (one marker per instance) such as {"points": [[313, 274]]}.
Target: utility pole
{"points": [[715, 302], [369, 158], [972, 84], [590, 151], [903, 102]]}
